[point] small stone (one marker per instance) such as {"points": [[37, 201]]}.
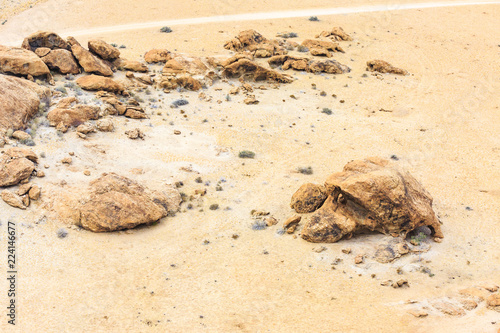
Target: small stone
{"points": [[62, 233], [21, 135], [71, 153], [135, 134], [23, 189], [346, 250], [40, 173], [12, 199], [400, 283], [319, 249], [177, 132], [67, 160], [270, 221], [419, 313], [86, 172], [34, 192], [214, 206], [26, 200], [359, 259], [291, 223]]}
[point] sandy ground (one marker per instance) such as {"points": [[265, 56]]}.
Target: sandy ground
{"points": [[188, 273]]}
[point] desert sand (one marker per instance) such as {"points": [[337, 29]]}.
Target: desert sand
{"points": [[190, 272]]}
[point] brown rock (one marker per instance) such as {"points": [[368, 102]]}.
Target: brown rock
{"points": [[312, 43], [86, 128], [12, 199], [384, 67], [250, 100], [286, 61], [44, 39], [16, 165], [89, 62], [135, 134], [448, 308], [157, 55], [61, 60], [337, 34], [19, 61], [400, 283], [320, 52], [243, 40], [359, 259], [493, 302], [308, 198], [491, 287], [103, 49], [130, 65], [248, 68], [64, 118], [290, 225], [21, 135], [468, 304], [118, 203], [67, 160], [419, 313], [105, 125], [185, 65], [96, 82], [34, 192], [371, 195], [476, 293], [23, 189], [270, 221], [327, 66]]}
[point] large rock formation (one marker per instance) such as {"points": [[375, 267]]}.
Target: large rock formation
{"points": [[256, 44], [305, 64], [321, 44], [103, 49], [47, 39], [96, 82], [89, 62], [382, 66], [16, 165], [250, 69], [59, 59], [118, 203], [19, 101], [72, 116], [157, 55], [370, 195], [337, 34], [19, 61]]}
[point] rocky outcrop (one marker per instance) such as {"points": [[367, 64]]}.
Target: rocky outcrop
{"points": [[12, 199], [59, 59], [130, 65], [157, 55], [46, 39], [337, 34], [382, 66], [117, 203], [16, 165], [371, 195], [103, 49], [250, 69], [256, 44], [19, 61], [328, 66], [185, 72], [96, 82], [321, 44], [89, 62], [72, 116], [308, 198], [19, 101]]}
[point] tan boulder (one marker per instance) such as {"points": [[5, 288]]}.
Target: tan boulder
{"points": [[185, 65], [96, 82], [382, 66], [118, 203], [12, 199], [320, 52], [244, 39], [21, 62], [287, 61], [16, 165], [61, 60], [130, 65], [105, 125], [45, 39], [337, 34], [19, 101], [493, 302], [371, 195], [89, 62], [248, 68], [157, 55], [328, 66], [74, 116], [21, 135], [103, 49], [35, 192], [308, 198], [448, 307], [313, 43]]}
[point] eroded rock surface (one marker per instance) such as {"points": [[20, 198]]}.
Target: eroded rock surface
{"points": [[97, 82], [46, 39], [89, 62], [382, 66], [16, 165], [20, 61]]}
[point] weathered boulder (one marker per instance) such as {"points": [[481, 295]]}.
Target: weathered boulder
{"points": [[157, 55], [19, 101], [371, 195], [288, 61], [103, 49], [74, 116], [118, 203], [308, 198], [248, 68], [382, 66], [96, 82], [16, 165], [12, 199], [328, 66], [46, 39], [244, 39], [337, 34], [185, 65], [19, 61], [493, 302], [320, 52], [60, 60], [89, 62], [130, 65], [313, 43]]}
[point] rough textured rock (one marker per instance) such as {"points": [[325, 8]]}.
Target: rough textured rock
{"points": [[62, 61], [185, 65], [371, 195], [308, 198], [103, 49], [96, 82], [248, 68], [493, 302], [320, 52], [327, 66], [287, 61], [12, 199], [19, 101], [89, 62], [130, 65], [16, 165], [19, 61], [321, 44], [118, 203], [337, 34], [157, 55], [74, 116], [135, 134], [448, 307], [105, 125], [382, 66], [46, 39], [21, 135], [35, 192], [243, 40]]}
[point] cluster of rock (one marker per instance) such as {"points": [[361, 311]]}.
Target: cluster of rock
{"points": [[17, 165], [371, 194], [309, 65]]}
